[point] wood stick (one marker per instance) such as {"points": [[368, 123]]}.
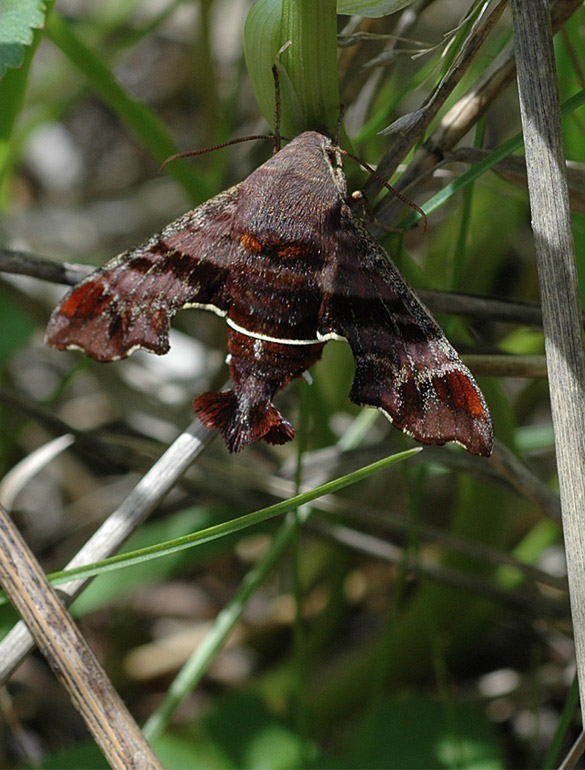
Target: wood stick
{"points": [[557, 269], [69, 656], [117, 528]]}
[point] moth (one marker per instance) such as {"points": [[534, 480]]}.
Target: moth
{"points": [[284, 260]]}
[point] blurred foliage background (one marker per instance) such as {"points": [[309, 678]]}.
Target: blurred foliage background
{"points": [[420, 619]]}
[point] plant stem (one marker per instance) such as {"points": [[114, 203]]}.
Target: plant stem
{"points": [[311, 60], [555, 256]]}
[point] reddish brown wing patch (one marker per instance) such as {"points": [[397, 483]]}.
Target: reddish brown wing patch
{"points": [[250, 243], [292, 251], [456, 388], [88, 299]]}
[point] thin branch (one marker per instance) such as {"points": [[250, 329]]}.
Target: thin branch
{"points": [[69, 655], [525, 482], [117, 528], [23, 263], [557, 270], [506, 365], [488, 308], [90, 444], [482, 308], [513, 170], [524, 601]]}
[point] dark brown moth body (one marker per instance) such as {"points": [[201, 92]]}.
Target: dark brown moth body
{"points": [[283, 258]]}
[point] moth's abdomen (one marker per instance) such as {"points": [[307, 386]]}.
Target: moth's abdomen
{"points": [[241, 424], [272, 362], [245, 413]]}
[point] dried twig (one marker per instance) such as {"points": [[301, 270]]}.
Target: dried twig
{"points": [[402, 146], [555, 255], [506, 365], [88, 443], [143, 499], [23, 263], [458, 120], [526, 601], [69, 655], [513, 170]]}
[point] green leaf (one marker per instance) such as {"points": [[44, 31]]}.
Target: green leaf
{"points": [[261, 44], [196, 753], [239, 732], [307, 67], [18, 44], [371, 8], [242, 727], [18, 19], [84, 754]]}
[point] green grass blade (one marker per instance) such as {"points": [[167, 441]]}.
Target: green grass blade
{"points": [[513, 144], [228, 527], [191, 673], [195, 667]]}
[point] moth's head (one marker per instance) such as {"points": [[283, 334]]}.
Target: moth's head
{"points": [[324, 131]]}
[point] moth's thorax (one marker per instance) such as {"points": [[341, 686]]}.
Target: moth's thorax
{"points": [[286, 208], [295, 197]]}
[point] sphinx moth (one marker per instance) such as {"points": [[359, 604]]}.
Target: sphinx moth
{"points": [[282, 257]]}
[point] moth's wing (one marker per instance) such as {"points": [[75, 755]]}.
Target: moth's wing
{"points": [[405, 365], [129, 302]]}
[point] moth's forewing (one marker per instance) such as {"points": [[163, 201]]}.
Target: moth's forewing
{"points": [[405, 365], [129, 302]]}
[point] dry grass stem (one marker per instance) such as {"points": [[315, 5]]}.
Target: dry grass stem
{"points": [[555, 256], [68, 654], [458, 120], [117, 528]]}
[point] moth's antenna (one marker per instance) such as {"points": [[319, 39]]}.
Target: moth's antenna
{"points": [[190, 153], [389, 187], [277, 109], [276, 139]]}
